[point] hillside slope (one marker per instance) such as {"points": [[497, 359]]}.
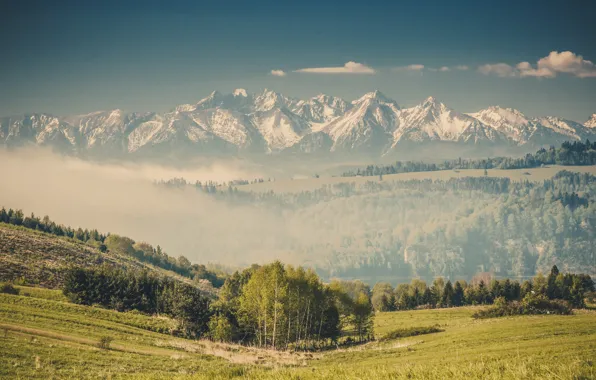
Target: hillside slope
{"points": [[42, 258]]}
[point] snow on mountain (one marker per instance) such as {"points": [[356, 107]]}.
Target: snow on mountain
{"points": [[434, 121], [231, 126], [269, 122], [565, 129], [101, 129], [591, 123], [510, 122], [367, 124], [280, 127], [268, 100], [321, 109]]}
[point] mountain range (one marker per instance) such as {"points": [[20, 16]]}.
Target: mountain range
{"points": [[271, 123]]}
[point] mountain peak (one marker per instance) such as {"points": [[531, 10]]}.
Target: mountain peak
{"points": [[376, 96], [431, 101], [500, 116], [592, 122], [240, 92]]}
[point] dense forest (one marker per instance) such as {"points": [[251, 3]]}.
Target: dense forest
{"points": [[396, 230], [570, 153], [142, 251]]}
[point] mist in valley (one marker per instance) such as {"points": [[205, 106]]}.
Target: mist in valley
{"points": [[373, 230], [124, 199]]}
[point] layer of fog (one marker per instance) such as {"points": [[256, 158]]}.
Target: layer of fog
{"points": [[123, 199]]}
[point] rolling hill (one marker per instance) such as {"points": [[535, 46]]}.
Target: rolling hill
{"points": [[42, 259]]}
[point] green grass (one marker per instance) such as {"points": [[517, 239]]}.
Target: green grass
{"points": [[43, 293], [309, 184], [47, 338]]}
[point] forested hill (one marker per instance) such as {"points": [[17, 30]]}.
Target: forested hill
{"points": [[569, 153], [40, 249]]}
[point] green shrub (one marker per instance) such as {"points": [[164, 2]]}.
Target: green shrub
{"points": [[104, 342], [8, 288], [406, 332], [531, 305]]}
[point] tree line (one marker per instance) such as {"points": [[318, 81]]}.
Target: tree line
{"points": [[283, 307], [570, 153], [115, 243], [482, 290]]}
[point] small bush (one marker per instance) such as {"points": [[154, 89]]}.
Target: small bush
{"points": [[8, 288], [530, 305], [412, 331], [104, 342]]}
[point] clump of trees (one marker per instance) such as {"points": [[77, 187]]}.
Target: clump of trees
{"points": [[139, 290], [110, 242], [271, 306], [529, 305], [568, 287], [281, 306]]}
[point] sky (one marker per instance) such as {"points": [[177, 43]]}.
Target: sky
{"points": [[72, 57]]}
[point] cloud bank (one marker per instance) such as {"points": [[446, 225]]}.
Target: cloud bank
{"points": [[547, 67], [122, 198], [413, 67], [349, 68]]}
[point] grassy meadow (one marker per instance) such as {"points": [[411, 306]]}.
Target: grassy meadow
{"points": [[44, 337], [309, 184]]}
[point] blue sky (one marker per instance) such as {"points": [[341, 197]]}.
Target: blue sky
{"points": [[76, 57]]}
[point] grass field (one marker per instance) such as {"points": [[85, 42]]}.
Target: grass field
{"points": [[297, 185], [43, 337]]}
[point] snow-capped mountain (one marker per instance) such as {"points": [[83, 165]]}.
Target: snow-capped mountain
{"points": [[321, 109], [434, 121], [591, 123], [269, 123], [522, 130], [366, 125]]}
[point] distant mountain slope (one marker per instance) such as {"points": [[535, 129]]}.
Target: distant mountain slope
{"points": [[269, 123]]}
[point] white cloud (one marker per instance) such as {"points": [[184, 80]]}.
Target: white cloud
{"points": [[414, 67], [502, 70], [349, 68], [525, 69], [445, 69], [568, 62], [278, 73], [547, 67]]}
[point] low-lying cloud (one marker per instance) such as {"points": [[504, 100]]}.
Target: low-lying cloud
{"points": [[124, 199]]}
